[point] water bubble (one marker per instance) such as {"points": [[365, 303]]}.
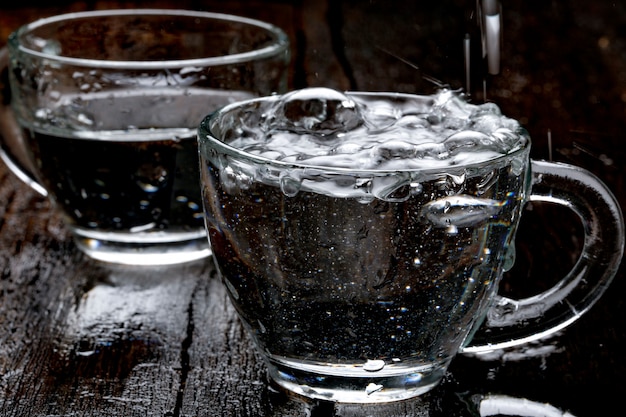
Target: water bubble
{"points": [[394, 149], [504, 139], [416, 188], [289, 185], [347, 148], [364, 184], [186, 71], [380, 115], [147, 187], [234, 180], [487, 122], [323, 111], [85, 353], [372, 388], [319, 127], [43, 113], [486, 182], [391, 188], [156, 213], [460, 211], [142, 228], [76, 117], [452, 110], [373, 365], [509, 257], [466, 140], [51, 47], [231, 289]]}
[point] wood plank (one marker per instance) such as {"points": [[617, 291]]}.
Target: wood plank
{"points": [[79, 336]]}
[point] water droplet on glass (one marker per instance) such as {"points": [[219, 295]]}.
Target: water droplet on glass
{"points": [[290, 186], [374, 365], [149, 188], [85, 353], [231, 288], [363, 184], [190, 70], [391, 188], [142, 228], [234, 180], [51, 47], [372, 388], [394, 149], [460, 211], [347, 148], [509, 258]]}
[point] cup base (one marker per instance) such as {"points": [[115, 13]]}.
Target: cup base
{"points": [[143, 249], [352, 384]]}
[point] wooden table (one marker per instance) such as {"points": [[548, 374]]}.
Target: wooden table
{"points": [[83, 338]]}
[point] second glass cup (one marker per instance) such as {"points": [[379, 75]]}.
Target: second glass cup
{"points": [[105, 106]]}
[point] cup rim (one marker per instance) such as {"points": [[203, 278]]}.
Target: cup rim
{"points": [[280, 44], [205, 136]]}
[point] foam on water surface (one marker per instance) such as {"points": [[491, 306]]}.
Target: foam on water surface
{"points": [[376, 131]]}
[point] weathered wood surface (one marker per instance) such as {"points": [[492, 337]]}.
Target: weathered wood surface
{"points": [[82, 338]]}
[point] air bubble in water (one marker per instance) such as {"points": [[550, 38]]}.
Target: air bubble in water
{"points": [[289, 185], [460, 211], [391, 188], [322, 111]]}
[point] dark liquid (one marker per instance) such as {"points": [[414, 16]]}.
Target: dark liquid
{"points": [[338, 280], [119, 186], [127, 161]]}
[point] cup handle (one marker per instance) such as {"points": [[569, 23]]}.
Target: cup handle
{"points": [[11, 136], [512, 322]]}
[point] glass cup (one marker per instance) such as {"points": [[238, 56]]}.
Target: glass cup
{"points": [[362, 237], [104, 113]]}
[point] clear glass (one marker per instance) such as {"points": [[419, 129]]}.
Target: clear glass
{"points": [[104, 113], [357, 297]]}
